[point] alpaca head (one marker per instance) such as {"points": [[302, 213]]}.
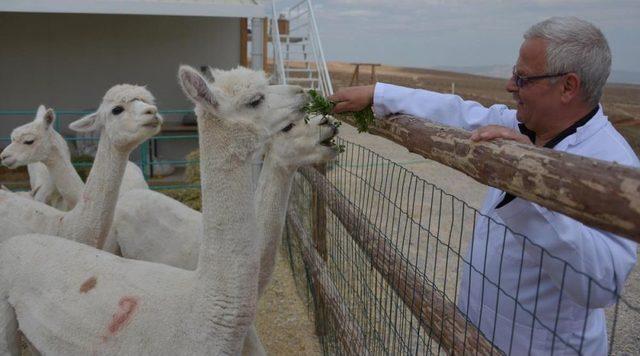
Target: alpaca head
{"points": [[31, 142], [242, 101], [302, 144], [127, 116]]}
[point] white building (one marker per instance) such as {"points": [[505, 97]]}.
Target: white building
{"points": [[67, 53]]}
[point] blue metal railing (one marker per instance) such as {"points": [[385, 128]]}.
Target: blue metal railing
{"points": [[145, 161]]}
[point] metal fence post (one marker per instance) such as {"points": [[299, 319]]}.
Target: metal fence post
{"points": [[144, 154]]}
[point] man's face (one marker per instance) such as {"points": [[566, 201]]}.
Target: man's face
{"points": [[538, 100]]}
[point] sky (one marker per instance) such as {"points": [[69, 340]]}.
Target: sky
{"points": [[462, 33]]}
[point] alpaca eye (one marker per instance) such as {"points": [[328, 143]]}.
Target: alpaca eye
{"points": [[256, 102], [288, 127], [29, 142], [117, 110]]}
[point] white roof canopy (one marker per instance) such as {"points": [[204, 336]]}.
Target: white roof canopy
{"points": [[209, 8]]}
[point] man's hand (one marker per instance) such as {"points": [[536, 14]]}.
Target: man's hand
{"points": [[491, 132], [352, 98]]}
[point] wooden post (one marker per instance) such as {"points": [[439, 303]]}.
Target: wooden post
{"points": [[348, 332], [597, 193], [319, 238], [265, 41], [354, 77], [244, 41], [447, 325], [356, 73], [373, 74]]}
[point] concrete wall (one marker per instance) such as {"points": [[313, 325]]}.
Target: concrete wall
{"points": [[68, 61]]}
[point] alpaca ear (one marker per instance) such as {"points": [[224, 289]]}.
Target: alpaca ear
{"points": [[49, 117], [86, 124], [46, 116], [206, 72], [195, 87]]}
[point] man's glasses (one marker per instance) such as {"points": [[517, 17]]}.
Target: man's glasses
{"points": [[522, 81]]}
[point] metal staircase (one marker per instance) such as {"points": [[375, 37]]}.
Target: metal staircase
{"points": [[298, 55]]}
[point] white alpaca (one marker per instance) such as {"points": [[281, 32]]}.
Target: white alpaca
{"points": [[43, 188], [128, 117], [25, 194], [152, 227], [70, 299], [51, 173], [43, 150]]}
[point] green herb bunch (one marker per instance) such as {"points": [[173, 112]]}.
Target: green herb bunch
{"points": [[320, 105], [364, 118]]}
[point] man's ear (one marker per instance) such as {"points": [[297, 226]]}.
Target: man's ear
{"points": [[195, 87], [86, 124], [571, 87]]}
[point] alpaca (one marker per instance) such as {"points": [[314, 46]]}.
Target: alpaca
{"points": [[43, 150], [30, 194], [127, 117], [43, 187], [152, 227], [51, 173], [86, 301], [147, 223]]}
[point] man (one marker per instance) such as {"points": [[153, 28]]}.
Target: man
{"points": [[539, 285]]}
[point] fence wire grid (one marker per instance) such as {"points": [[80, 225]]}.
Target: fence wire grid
{"points": [[431, 233]]}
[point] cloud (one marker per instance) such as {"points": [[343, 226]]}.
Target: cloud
{"points": [[357, 13], [435, 32]]}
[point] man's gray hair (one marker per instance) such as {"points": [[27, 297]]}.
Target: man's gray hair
{"points": [[577, 46]]}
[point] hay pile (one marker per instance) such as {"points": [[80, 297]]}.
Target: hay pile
{"points": [[188, 196], [192, 171]]}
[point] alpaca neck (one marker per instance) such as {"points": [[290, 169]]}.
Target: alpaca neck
{"points": [[272, 198], [94, 212], [64, 175], [227, 282]]}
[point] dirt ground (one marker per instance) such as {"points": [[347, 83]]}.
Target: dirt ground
{"points": [[283, 321]]}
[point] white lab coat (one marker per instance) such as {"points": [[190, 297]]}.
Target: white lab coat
{"points": [[558, 294]]}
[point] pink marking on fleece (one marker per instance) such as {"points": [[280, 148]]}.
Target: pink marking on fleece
{"points": [[127, 307]]}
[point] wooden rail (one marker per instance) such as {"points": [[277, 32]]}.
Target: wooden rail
{"points": [[600, 194], [348, 332], [447, 325]]}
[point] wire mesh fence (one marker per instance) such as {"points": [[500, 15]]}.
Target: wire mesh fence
{"points": [[420, 271]]}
